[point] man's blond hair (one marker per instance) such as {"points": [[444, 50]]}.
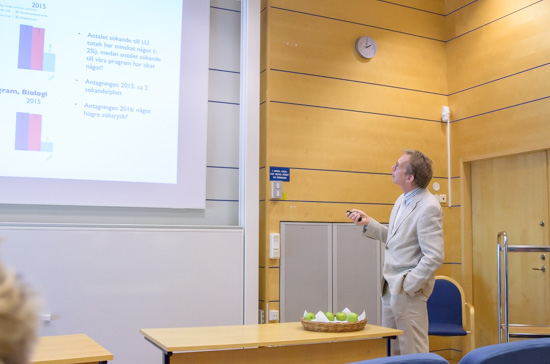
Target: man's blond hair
{"points": [[420, 166]]}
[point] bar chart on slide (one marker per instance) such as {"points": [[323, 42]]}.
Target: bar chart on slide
{"points": [[31, 50], [28, 133]]}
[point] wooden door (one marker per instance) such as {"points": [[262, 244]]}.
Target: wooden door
{"points": [[510, 194]]}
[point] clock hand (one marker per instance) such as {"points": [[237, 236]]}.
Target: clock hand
{"points": [[368, 46]]}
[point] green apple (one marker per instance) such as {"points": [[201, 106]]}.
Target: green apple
{"points": [[330, 316], [309, 316], [341, 316], [352, 317]]}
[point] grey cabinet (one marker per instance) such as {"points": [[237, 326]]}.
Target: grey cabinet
{"points": [[327, 267]]}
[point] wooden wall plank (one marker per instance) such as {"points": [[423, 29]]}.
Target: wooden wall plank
{"points": [[407, 19], [517, 129], [508, 92], [320, 46], [512, 44], [474, 14], [330, 139], [354, 96]]}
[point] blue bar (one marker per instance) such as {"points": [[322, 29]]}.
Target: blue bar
{"points": [[22, 131], [25, 47], [49, 62], [46, 147]]}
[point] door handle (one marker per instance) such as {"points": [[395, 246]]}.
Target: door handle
{"points": [[543, 269]]}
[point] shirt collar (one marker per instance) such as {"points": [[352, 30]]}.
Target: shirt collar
{"points": [[409, 195]]}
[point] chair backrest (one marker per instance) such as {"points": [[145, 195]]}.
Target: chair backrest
{"points": [[446, 308], [532, 351], [419, 358]]}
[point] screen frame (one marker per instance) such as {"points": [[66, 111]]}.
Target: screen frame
{"points": [[190, 190]]}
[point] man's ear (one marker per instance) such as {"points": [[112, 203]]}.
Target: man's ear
{"points": [[410, 178]]}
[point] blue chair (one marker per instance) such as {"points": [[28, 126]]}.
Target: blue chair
{"points": [[420, 358], [531, 351], [449, 314]]}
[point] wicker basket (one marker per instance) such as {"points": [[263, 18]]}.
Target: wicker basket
{"points": [[333, 326]]}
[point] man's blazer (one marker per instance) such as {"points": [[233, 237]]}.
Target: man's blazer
{"points": [[414, 244]]}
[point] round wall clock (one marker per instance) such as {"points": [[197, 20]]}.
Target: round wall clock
{"points": [[365, 47]]}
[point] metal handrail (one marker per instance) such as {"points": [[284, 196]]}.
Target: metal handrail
{"points": [[505, 248], [505, 258], [529, 248]]}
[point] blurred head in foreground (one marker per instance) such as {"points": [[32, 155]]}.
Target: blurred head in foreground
{"points": [[18, 320]]}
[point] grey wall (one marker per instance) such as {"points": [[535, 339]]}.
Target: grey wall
{"points": [[107, 272], [110, 283], [222, 154]]}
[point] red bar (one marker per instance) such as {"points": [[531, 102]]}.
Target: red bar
{"points": [[35, 132], [37, 50]]}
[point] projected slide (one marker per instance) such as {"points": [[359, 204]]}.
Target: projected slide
{"points": [[105, 76], [98, 105]]}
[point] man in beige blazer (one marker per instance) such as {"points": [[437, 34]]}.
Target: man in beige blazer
{"points": [[414, 251]]}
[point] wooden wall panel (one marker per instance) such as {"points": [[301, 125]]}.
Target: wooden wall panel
{"points": [[516, 129], [290, 210], [263, 287], [355, 96], [320, 46], [455, 198], [406, 19], [339, 122], [454, 5], [479, 13], [519, 89], [433, 6], [453, 251], [318, 186], [322, 138], [512, 44], [263, 133], [263, 43]]}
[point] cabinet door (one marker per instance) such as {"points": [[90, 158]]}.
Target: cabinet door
{"points": [[356, 272], [306, 269]]}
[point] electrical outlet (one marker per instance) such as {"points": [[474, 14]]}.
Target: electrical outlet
{"points": [[261, 317], [443, 198], [273, 315]]}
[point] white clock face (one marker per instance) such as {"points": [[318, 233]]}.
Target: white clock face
{"points": [[366, 47]]}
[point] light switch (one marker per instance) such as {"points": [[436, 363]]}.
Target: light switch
{"points": [[274, 246], [276, 189]]}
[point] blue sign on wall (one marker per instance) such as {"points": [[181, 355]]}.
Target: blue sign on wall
{"points": [[279, 174]]}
